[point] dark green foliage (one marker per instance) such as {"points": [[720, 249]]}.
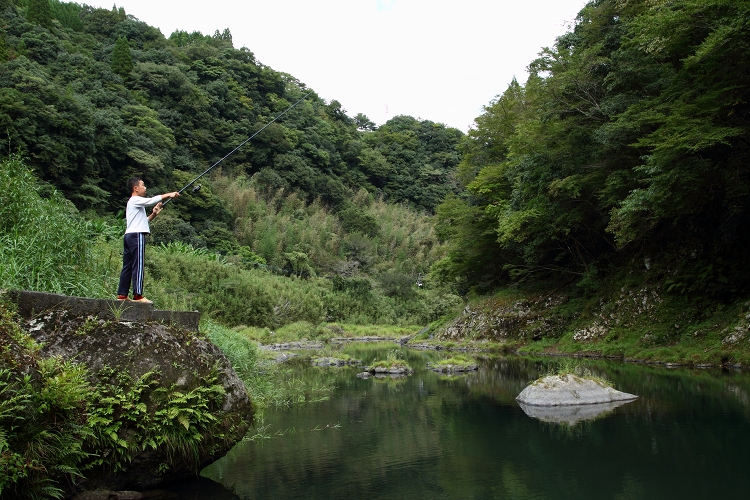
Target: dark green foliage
{"points": [[355, 220], [397, 285], [213, 287], [412, 161], [42, 416], [167, 228], [3, 49], [364, 123], [129, 415], [183, 38], [68, 13], [629, 140], [41, 430], [40, 12], [122, 62], [185, 102], [356, 286]]}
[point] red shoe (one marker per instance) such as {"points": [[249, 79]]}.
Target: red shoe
{"points": [[122, 297], [143, 300]]}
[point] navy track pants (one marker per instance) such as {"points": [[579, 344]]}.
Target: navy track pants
{"points": [[134, 250]]}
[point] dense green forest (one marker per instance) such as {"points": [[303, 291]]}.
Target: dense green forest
{"points": [[627, 147], [92, 96]]}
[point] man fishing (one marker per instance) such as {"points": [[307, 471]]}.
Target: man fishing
{"points": [[137, 229], [135, 238]]}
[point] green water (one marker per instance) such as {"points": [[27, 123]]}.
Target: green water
{"points": [[429, 436]]}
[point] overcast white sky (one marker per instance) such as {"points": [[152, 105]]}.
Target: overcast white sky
{"points": [[439, 60]]}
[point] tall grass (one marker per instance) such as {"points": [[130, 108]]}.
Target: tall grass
{"points": [[180, 277], [45, 244], [268, 383]]}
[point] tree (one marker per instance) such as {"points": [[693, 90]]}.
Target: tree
{"points": [[629, 137], [40, 12], [225, 35], [3, 50], [122, 62], [364, 123]]}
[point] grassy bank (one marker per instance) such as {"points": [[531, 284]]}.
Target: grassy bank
{"points": [[268, 383]]}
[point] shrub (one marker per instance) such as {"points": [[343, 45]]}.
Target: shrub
{"points": [[42, 416]]}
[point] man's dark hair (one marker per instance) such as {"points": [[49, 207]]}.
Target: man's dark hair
{"points": [[133, 182]]}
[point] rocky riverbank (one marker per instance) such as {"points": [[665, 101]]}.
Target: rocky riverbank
{"points": [[155, 403], [637, 324]]}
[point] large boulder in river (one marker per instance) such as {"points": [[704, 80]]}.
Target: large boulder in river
{"points": [[569, 389], [170, 401]]}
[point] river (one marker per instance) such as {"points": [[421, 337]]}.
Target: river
{"points": [[431, 436]]}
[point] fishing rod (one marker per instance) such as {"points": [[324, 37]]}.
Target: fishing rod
{"points": [[197, 188]]}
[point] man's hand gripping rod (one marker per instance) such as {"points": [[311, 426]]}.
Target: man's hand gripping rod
{"points": [[238, 147]]}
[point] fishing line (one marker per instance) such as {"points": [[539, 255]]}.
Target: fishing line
{"points": [[237, 148]]}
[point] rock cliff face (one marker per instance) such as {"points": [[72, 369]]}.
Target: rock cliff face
{"points": [[176, 404], [503, 321]]}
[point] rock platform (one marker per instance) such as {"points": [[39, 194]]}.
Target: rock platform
{"points": [[31, 304]]}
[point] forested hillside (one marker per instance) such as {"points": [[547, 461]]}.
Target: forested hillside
{"points": [[92, 96], [627, 149], [320, 217]]}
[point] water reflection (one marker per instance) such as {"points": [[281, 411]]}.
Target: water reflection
{"points": [[197, 489], [570, 415], [440, 437]]}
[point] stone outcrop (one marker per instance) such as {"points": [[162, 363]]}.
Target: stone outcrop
{"points": [[535, 318], [393, 370], [570, 390], [503, 321], [175, 361]]}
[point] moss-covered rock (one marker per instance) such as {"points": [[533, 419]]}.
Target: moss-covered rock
{"points": [[169, 402]]}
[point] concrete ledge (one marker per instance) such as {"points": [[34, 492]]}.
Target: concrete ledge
{"points": [[31, 304]]}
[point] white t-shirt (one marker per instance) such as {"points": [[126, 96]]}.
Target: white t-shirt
{"points": [[135, 213]]}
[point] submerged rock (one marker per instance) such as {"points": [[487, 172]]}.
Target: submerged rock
{"points": [[457, 368], [301, 345], [331, 361], [398, 369], [568, 390], [368, 338]]}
